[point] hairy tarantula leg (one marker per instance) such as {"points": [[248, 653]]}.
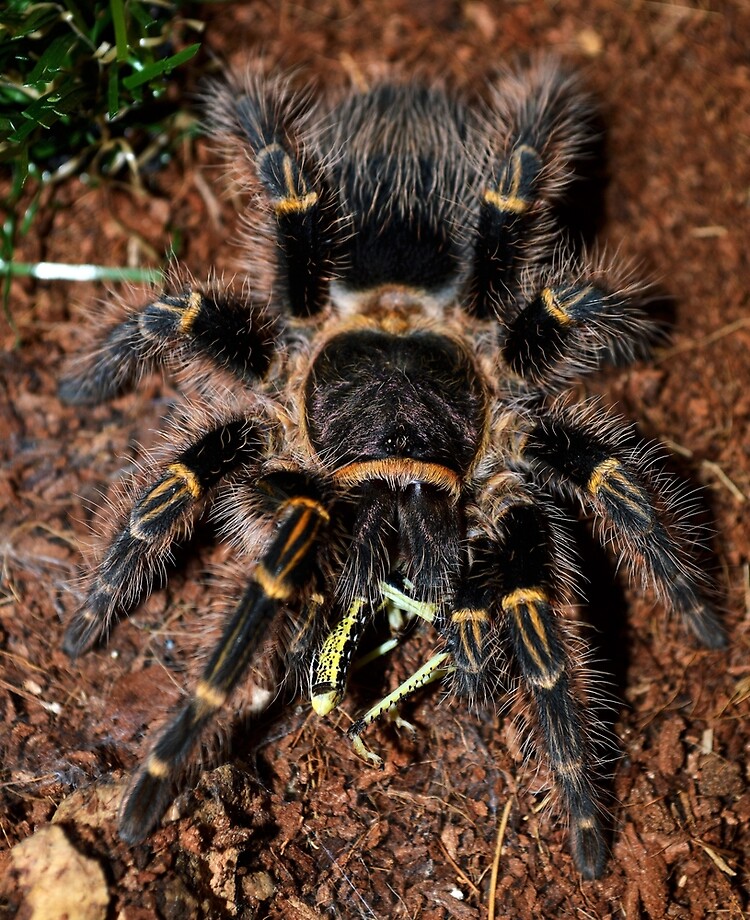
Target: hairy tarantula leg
{"points": [[573, 327], [282, 572], [256, 116], [635, 511], [538, 642], [470, 624], [162, 512], [305, 635], [235, 334], [503, 226], [434, 669], [549, 128]]}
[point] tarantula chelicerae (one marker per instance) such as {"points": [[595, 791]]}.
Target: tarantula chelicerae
{"points": [[402, 436]]}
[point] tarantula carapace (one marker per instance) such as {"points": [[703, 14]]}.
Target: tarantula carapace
{"points": [[405, 439]]}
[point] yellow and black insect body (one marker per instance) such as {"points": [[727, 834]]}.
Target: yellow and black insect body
{"points": [[400, 436]]}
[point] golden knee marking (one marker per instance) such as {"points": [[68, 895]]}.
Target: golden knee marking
{"points": [[509, 204], [295, 204], [268, 151], [275, 586], [182, 481], [189, 316], [559, 308], [568, 767], [525, 604], [527, 643], [299, 530], [524, 597], [209, 696], [538, 626], [602, 472], [555, 307], [272, 586], [610, 477], [302, 528], [470, 615], [523, 148], [512, 202], [469, 646], [289, 178], [186, 315], [469, 622], [301, 501], [186, 475], [548, 679], [297, 200], [167, 307], [157, 768]]}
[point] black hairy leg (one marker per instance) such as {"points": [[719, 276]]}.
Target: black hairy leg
{"points": [[530, 585], [469, 623], [229, 330], [283, 572], [584, 452], [162, 513], [505, 604], [574, 322], [545, 126], [264, 117]]}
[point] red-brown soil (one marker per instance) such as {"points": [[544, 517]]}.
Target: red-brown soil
{"points": [[293, 825]]}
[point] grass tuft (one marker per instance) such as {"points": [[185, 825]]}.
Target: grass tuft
{"points": [[85, 91]]}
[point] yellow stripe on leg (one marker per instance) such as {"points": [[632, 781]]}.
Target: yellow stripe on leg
{"points": [[272, 586], [524, 596], [210, 696], [295, 204], [610, 481]]}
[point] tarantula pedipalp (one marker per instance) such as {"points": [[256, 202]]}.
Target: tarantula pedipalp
{"points": [[410, 433]]}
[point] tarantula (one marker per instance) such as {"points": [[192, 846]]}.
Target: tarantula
{"points": [[401, 435]]}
